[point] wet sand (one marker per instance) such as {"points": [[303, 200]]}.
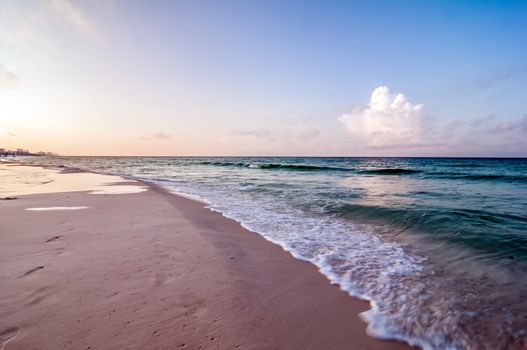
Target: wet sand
{"points": [[153, 270]]}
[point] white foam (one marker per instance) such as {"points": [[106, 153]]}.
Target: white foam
{"points": [[118, 189], [193, 197], [56, 208], [360, 262]]}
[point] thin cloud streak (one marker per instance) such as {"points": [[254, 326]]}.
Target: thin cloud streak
{"points": [[479, 121], [7, 78], [494, 80], [288, 133], [72, 14], [157, 136], [505, 126], [502, 127], [409, 146]]}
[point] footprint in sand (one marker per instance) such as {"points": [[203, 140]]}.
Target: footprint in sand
{"points": [[38, 296], [7, 335], [33, 270], [53, 239]]}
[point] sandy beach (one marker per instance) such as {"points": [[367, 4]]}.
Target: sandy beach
{"points": [[263, 175], [153, 270]]}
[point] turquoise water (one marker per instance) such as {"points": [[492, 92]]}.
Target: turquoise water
{"points": [[439, 246]]}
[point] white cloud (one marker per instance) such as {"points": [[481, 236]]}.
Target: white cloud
{"points": [[72, 14], [387, 120]]}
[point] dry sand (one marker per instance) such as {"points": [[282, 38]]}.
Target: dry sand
{"points": [[153, 270]]}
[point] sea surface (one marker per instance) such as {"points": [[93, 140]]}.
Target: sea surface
{"points": [[437, 245]]}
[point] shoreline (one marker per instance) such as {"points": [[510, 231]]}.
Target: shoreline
{"points": [[216, 284]]}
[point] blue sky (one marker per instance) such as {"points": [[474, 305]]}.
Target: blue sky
{"points": [[265, 77]]}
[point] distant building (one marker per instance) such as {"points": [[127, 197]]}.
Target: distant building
{"points": [[41, 153], [22, 152], [4, 152]]}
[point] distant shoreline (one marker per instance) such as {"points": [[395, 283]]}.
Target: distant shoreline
{"points": [[278, 157]]}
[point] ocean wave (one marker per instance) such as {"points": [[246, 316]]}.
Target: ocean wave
{"points": [[494, 177], [457, 226], [279, 166], [391, 171], [465, 165]]}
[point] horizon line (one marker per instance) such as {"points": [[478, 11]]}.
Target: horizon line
{"points": [[283, 156]]}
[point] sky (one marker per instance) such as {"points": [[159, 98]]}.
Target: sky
{"points": [[269, 77]]}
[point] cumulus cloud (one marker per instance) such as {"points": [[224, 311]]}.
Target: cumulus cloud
{"points": [[7, 78], [72, 14], [388, 120]]}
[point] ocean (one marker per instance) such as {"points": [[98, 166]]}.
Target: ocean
{"points": [[437, 245]]}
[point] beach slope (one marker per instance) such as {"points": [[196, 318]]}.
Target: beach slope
{"points": [[152, 270]]}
